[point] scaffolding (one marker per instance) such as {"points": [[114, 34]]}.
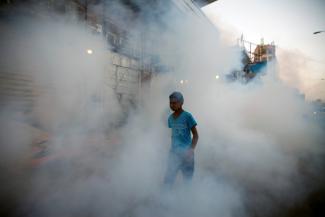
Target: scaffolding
{"points": [[257, 52]]}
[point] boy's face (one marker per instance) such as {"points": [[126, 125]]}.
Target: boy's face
{"points": [[175, 104]]}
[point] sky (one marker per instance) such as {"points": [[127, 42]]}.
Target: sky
{"points": [[290, 24]]}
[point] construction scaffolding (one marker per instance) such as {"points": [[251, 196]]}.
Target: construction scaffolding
{"points": [[254, 59]]}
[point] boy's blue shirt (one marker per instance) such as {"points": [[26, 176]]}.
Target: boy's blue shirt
{"points": [[181, 130]]}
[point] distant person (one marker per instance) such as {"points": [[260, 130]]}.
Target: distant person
{"points": [[181, 155]]}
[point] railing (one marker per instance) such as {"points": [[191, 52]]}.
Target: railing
{"points": [[257, 52]]}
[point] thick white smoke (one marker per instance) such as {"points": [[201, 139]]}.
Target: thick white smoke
{"points": [[257, 154], [299, 71]]}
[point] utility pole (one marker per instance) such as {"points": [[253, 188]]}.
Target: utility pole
{"points": [[86, 9]]}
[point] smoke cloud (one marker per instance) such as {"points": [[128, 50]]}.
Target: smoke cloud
{"points": [[300, 72], [258, 154]]}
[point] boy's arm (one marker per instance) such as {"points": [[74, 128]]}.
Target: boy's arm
{"points": [[195, 137]]}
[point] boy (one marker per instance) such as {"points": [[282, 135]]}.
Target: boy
{"points": [[181, 156]]}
